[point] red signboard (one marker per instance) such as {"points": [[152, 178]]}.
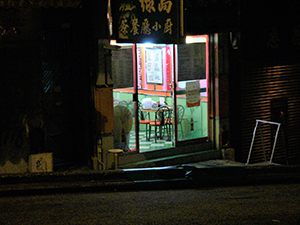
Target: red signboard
{"points": [[169, 67], [139, 64]]}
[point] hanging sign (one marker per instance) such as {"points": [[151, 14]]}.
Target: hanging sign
{"points": [[169, 68], [139, 65], [137, 21], [193, 94]]}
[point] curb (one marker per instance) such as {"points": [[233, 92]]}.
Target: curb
{"points": [[171, 177]]}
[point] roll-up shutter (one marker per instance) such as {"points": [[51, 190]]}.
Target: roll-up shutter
{"points": [[271, 94]]}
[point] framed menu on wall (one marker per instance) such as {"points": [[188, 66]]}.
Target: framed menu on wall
{"points": [[154, 70], [122, 68], [191, 61]]}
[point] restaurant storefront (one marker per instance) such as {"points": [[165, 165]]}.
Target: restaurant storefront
{"points": [[153, 64], [206, 61], [157, 76], [59, 44], [251, 72]]}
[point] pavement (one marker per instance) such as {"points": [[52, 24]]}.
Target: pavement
{"points": [[209, 173]]}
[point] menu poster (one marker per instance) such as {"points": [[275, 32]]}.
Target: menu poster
{"points": [[193, 94], [154, 72], [191, 61], [122, 68]]}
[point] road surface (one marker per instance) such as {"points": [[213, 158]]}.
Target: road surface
{"points": [[267, 204]]}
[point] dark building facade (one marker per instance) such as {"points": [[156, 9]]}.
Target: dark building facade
{"points": [[268, 78], [262, 39], [56, 90], [48, 63]]}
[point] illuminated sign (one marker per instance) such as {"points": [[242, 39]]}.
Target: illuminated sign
{"points": [[138, 21]]}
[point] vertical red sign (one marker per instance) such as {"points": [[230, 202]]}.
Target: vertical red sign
{"points": [[139, 57], [169, 68]]}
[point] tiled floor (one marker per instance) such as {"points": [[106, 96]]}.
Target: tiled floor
{"points": [[146, 146]]}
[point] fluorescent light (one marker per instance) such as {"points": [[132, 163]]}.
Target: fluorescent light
{"points": [[114, 42], [147, 45], [195, 39]]}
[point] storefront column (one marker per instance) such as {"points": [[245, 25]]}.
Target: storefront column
{"points": [[219, 115], [214, 91], [103, 98], [223, 67]]}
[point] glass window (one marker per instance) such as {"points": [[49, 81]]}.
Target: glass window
{"points": [[191, 92]]}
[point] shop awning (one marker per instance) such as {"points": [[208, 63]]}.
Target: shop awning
{"points": [[40, 3]]}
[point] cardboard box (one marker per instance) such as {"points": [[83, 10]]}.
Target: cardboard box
{"points": [[42, 162]]}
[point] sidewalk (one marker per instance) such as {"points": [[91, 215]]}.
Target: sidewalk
{"points": [[194, 175]]}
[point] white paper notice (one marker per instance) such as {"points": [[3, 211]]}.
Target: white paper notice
{"points": [[193, 94]]}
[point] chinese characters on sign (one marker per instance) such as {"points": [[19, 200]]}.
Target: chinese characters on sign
{"points": [[169, 68], [139, 65], [42, 162], [140, 19]]}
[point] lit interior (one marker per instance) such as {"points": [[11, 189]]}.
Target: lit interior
{"points": [[194, 123]]}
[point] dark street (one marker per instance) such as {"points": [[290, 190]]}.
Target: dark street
{"points": [[149, 112], [266, 204]]}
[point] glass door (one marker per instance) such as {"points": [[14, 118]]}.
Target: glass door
{"points": [[154, 82], [191, 88]]}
